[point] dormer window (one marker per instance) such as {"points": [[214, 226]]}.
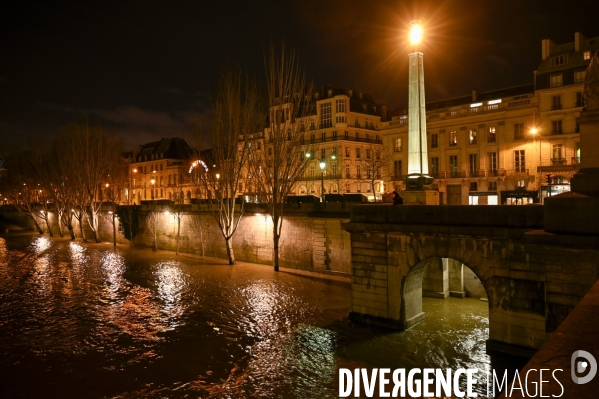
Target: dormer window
{"points": [[559, 60], [556, 80], [586, 55]]}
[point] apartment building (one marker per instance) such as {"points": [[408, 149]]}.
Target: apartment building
{"points": [[160, 170], [515, 145], [343, 133]]}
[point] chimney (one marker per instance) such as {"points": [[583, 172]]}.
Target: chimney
{"points": [[474, 95], [546, 48], [578, 39], [383, 113]]}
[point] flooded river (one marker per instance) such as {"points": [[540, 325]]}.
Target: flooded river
{"points": [[90, 321]]}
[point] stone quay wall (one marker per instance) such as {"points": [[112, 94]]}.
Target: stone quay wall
{"points": [[312, 238]]}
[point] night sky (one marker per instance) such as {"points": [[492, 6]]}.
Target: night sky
{"points": [[140, 67]]}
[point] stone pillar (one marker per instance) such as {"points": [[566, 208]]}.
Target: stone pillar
{"points": [[435, 283], [456, 278]]}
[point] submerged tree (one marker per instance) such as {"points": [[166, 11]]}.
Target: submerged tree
{"points": [[224, 140], [281, 164]]}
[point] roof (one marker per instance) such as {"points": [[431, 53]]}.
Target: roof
{"points": [[171, 148]]}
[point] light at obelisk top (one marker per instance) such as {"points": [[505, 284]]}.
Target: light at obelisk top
{"points": [[417, 149]]}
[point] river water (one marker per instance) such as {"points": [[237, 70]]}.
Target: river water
{"points": [[90, 321]]}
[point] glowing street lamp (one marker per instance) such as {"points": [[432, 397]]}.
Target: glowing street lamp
{"points": [[322, 164], [415, 32]]}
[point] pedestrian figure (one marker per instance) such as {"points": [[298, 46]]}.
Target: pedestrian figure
{"points": [[397, 200]]}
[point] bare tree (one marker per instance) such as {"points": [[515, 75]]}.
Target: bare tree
{"points": [[152, 224], [224, 141], [90, 157], [196, 222], [376, 166], [281, 164]]}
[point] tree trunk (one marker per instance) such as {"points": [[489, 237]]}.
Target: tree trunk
{"points": [[114, 228], [230, 252], [154, 244], [275, 252], [81, 229], [94, 226], [48, 225], [37, 226], [178, 233], [59, 220]]}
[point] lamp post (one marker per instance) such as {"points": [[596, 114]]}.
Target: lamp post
{"points": [[322, 163], [535, 133], [153, 181], [417, 148]]}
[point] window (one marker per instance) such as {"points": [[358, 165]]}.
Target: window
{"points": [[259, 145], [368, 153], [492, 163], [340, 119], [312, 138], [453, 138], [472, 136], [368, 171], [518, 131], [161, 167], [269, 150], [579, 99], [521, 184], [397, 170], [556, 80], [559, 60], [492, 134], [586, 55], [312, 171], [453, 165], [434, 140], [346, 135], [311, 124], [347, 187], [356, 122], [377, 137], [473, 186], [347, 174], [340, 105], [347, 151], [557, 155], [323, 153], [358, 171], [357, 135], [579, 76], [326, 115], [358, 153], [334, 135], [492, 186], [397, 146], [334, 170], [556, 102], [323, 137], [161, 180], [473, 164], [519, 161], [556, 127], [334, 150], [434, 166], [288, 134]]}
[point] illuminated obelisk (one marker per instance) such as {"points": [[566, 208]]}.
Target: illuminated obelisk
{"points": [[417, 149]]}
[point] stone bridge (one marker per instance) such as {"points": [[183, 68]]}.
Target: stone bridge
{"points": [[533, 279]]}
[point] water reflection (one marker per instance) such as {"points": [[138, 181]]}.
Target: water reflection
{"points": [[91, 322]]}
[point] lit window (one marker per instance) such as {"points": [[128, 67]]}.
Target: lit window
{"points": [[587, 55], [556, 80], [492, 134], [519, 161], [453, 138], [472, 136], [579, 76], [397, 147]]}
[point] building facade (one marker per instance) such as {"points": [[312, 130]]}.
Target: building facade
{"points": [[510, 146]]}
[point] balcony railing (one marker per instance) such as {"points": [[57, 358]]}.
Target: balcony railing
{"points": [[329, 139], [575, 160], [555, 107], [558, 161], [557, 131]]}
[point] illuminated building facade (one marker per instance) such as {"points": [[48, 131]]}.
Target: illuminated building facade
{"points": [[499, 147]]}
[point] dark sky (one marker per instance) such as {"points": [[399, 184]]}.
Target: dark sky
{"points": [[139, 67]]}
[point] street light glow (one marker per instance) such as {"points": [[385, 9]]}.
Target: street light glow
{"points": [[534, 130], [322, 165], [415, 32]]}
